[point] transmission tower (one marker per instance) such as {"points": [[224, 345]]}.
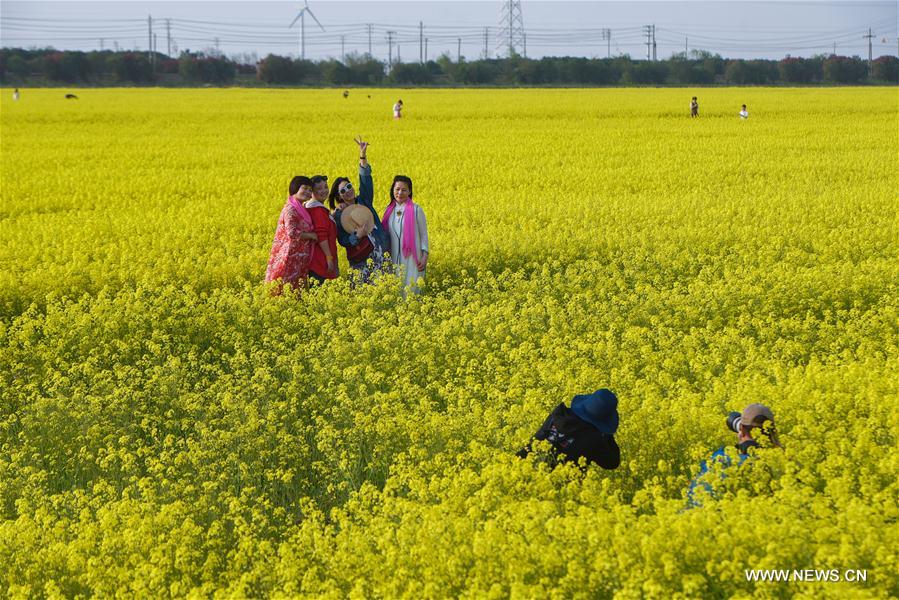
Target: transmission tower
{"points": [[870, 35], [511, 33]]}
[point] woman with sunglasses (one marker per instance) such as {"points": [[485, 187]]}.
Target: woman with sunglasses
{"points": [[364, 245]]}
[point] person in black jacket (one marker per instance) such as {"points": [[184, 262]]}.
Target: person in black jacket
{"points": [[586, 430]]}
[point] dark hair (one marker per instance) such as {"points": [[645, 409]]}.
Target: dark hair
{"points": [[334, 196], [405, 180], [298, 181], [318, 178]]}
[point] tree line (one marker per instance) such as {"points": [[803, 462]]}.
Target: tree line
{"points": [[48, 66]]}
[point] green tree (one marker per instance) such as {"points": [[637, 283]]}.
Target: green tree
{"points": [[886, 68], [413, 73], [842, 69], [277, 69]]}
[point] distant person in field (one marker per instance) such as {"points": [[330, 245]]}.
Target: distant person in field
{"points": [[586, 430], [359, 228], [15, 94], [755, 419], [324, 260], [346, 93], [744, 114], [407, 233], [694, 107], [294, 237], [398, 109]]}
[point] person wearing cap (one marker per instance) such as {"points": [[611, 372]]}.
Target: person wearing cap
{"points": [[586, 430], [360, 231], [755, 418]]}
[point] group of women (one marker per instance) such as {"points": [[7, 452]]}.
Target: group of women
{"points": [[304, 251]]}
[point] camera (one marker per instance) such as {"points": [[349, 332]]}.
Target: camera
{"points": [[734, 420]]}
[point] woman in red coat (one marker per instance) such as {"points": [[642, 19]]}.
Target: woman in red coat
{"points": [[324, 260]]}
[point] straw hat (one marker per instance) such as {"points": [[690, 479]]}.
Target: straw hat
{"points": [[357, 218]]}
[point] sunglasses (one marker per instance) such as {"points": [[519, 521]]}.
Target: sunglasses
{"points": [[346, 188]]}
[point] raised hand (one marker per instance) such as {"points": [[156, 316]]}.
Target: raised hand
{"points": [[363, 145]]}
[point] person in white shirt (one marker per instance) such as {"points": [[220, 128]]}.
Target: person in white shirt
{"points": [[15, 94], [744, 114], [397, 109]]}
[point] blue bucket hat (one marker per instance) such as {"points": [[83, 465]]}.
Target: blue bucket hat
{"points": [[600, 409]]}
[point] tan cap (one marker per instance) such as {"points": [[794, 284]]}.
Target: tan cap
{"points": [[756, 414]]}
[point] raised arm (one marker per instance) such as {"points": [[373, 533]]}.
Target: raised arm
{"points": [[366, 186]]}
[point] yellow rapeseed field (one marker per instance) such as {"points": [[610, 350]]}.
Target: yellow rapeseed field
{"points": [[169, 429]]}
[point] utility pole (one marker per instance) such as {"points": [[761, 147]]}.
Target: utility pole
{"points": [[150, 38], [524, 40], [368, 25], [647, 29], [390, 48], [459, 51], [426, 49], [342, 48], [686, 48], [486, 49], [101, 44], [607, 35], [421, 42], [834, 48], [653, 42], [155, 48], [399, 57], [217, 52], [168, 36]]}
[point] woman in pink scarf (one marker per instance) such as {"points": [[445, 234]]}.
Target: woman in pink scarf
{"points": [[407, 230], [294, 239]]}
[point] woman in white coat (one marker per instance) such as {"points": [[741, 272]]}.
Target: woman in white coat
{"points": [[407, 229]]}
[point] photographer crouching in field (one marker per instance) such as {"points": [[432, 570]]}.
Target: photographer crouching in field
{"points": [[755, 418], [585, 430]]}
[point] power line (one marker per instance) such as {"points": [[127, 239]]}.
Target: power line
{"points": [[353, 37]]}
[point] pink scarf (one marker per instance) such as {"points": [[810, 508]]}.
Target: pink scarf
{"points": [[301, 210], [408, 240]]}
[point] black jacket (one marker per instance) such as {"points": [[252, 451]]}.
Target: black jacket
{"points": [[572, 438]]}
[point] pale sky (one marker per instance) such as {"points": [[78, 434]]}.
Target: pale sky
{"points": [[731, 28]]}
